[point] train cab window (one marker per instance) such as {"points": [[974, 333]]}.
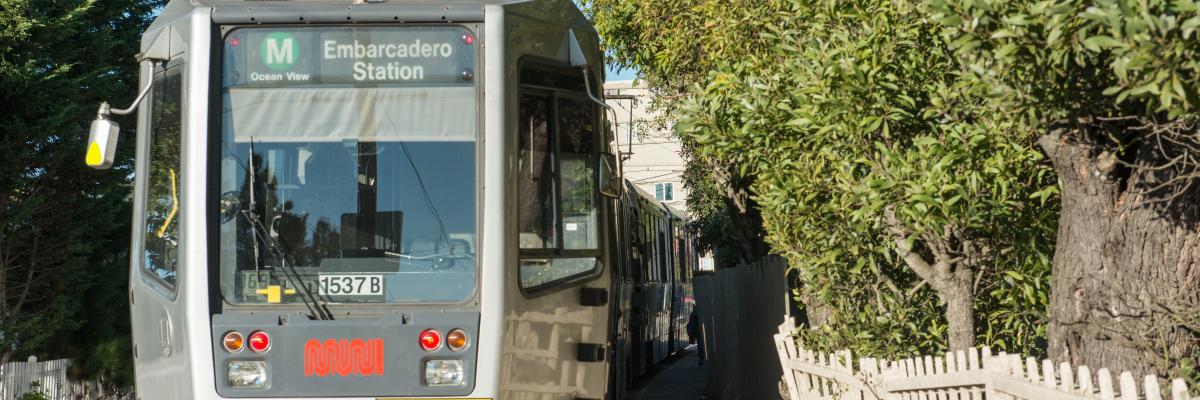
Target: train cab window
{"points": [[345, 185], [161, 250], [558, 224], [575, 149]]}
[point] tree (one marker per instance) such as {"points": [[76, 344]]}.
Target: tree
{"points": [[878, 173], [1111, 86], [64, 228], [699, 35]]}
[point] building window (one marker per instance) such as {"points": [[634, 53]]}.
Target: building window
{"points": [[664, 192]]}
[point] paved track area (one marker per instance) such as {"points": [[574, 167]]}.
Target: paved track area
{"points": [[677, 378]]}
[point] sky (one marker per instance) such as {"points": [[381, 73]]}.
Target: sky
{"points": [[612, 75]]}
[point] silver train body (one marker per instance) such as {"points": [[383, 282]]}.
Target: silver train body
{"points": [[390, 199]]}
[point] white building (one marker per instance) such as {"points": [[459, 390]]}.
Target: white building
{"points": [[654, 163]]}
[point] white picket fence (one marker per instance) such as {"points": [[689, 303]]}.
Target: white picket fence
{"points": [[976, 374], [50, 379]]}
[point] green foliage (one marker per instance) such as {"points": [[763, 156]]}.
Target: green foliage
{"points": [[35, 394], [1113, 78], [1050, 60], [63, 227], [838, 111], [674, 44]]}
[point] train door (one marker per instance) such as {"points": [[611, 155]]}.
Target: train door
{"points": [[558, 328], [666, 286], [620, 327], [637, 286], [674, 287], [156, 285], [651, 295], [683, 297]]}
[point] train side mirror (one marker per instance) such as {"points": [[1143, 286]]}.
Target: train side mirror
{"points": [[102, 141], [609, 179], [102, 136], [608, 176]]}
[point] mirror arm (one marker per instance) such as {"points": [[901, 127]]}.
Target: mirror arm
{"points": [[106, 110], [587, 84]]}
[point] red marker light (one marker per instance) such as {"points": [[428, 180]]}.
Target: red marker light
{"points": [[234, 42], [430, 340], [260, 341], [468, 38]]}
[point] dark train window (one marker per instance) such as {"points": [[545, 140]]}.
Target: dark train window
{"points": [[681, 260], [558, 216], [536, 186], [160, 256], [558, 78], [576, 134], [663, 258]]}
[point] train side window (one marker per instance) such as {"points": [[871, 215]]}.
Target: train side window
{"points": [[663, 258], [680, 261], [558, 221], [576, 129], [648, 244], [162, 202], [536, 188]]}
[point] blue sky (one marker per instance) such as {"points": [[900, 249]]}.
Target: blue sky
{"points": [[612, 75]]}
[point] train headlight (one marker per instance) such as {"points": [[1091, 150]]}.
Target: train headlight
{"points": [[248, 374], [444, 372]]}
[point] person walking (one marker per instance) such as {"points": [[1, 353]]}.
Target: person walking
{"points": [[695, 334]]}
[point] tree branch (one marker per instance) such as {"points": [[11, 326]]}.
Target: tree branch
{"points": [[904, 249]]}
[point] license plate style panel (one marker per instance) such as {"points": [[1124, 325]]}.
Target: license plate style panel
{"points": [[350, 285]]}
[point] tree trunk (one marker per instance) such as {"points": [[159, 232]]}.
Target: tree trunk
{"points": [[1126, 274], [959, 298], [951, 280]]}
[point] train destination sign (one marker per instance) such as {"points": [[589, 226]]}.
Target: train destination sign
{"points": [[421, 55]]}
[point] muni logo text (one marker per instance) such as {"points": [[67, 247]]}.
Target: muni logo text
{"points": [[343, 357]]}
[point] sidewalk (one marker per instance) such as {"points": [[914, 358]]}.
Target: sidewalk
{"points": [[677, 378]]}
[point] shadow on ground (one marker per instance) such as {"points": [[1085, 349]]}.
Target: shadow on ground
{"points": [[679, 377]]}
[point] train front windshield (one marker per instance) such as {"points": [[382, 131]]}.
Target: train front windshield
{"points": [[348, 165]]}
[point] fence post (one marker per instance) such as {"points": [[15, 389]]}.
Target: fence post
{"points": [[786, 346], [1179, 390]]}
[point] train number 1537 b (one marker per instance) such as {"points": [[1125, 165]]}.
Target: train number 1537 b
{"points": [[351, 285]]}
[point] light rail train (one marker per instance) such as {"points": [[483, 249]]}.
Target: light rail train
{"points": [[388, 199]]}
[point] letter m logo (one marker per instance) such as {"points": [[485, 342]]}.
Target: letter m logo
{"points": [[279, 51]]}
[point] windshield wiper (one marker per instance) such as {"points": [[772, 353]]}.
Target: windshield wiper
{"points": [[316, 310]]}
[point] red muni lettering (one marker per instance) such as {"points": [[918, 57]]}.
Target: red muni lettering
{"points": [[343, 357]]}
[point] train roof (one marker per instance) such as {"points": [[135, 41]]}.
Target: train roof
{"points": [[647, 197], [332, 11], [257, 3]]}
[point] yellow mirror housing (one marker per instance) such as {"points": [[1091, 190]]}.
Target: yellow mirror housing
{"points": [[102, 143]]}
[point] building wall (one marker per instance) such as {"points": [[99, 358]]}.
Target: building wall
{"points": [[655, 156]]}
